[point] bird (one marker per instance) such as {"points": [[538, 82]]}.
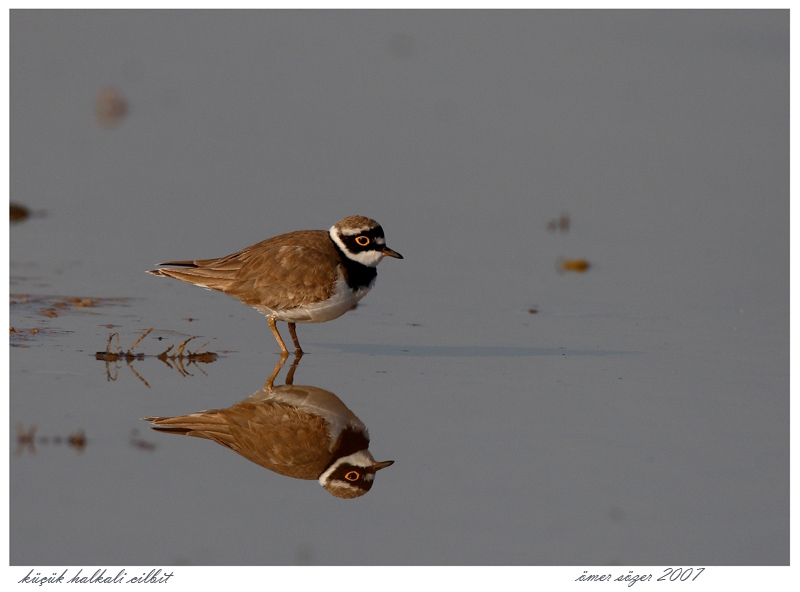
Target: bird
{"points": [[304, 432], [305, 276]]}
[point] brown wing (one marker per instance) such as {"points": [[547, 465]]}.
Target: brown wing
{"points": [[275, 436], [285, 271]]}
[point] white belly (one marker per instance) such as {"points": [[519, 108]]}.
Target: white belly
{"points": [[342, 300]]}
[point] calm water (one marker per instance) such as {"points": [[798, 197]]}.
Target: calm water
{"points": [[632, 414]]}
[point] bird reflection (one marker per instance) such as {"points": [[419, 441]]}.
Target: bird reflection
{"points": [[299, 431]]}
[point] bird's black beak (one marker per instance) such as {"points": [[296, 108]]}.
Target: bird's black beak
{"points": [[389, 253]]}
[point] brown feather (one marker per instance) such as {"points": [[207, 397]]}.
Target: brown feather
{"points": [[285, 271]]}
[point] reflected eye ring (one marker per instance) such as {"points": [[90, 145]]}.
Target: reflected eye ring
{"points": [[362, 241], [352, 476]]}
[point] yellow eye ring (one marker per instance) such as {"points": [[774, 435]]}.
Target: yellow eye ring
{"points": [[352, 476], [362, 241]]}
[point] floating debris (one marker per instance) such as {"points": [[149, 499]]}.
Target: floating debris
{"points": [[140, 443], [561, 223], [128, 355], [55, 307], [178, 360], [90, 302], [108, 356], [191, 356], [33, 331], [19, 212], [25, 337], [575, 265], [110, 107], [52, 305], [28, 439], [77, 440]]}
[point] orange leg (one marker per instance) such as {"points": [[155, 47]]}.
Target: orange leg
{"points": [[284, 351], [297, 348]]}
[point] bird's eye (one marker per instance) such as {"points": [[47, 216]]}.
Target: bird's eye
{"points": [[362, 240], [352, 476]]}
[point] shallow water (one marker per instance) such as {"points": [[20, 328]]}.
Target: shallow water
{"points": [[638, 416]]}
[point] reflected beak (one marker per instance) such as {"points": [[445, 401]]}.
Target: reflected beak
{"points": [[389, 253], [382, 465]]}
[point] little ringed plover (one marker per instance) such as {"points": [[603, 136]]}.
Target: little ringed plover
{"points": [[306, 276]]}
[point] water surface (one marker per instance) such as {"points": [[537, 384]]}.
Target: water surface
{"points": [[635, 413]]}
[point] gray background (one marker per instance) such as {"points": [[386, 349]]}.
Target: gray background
{"points": [[640, 417]]}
